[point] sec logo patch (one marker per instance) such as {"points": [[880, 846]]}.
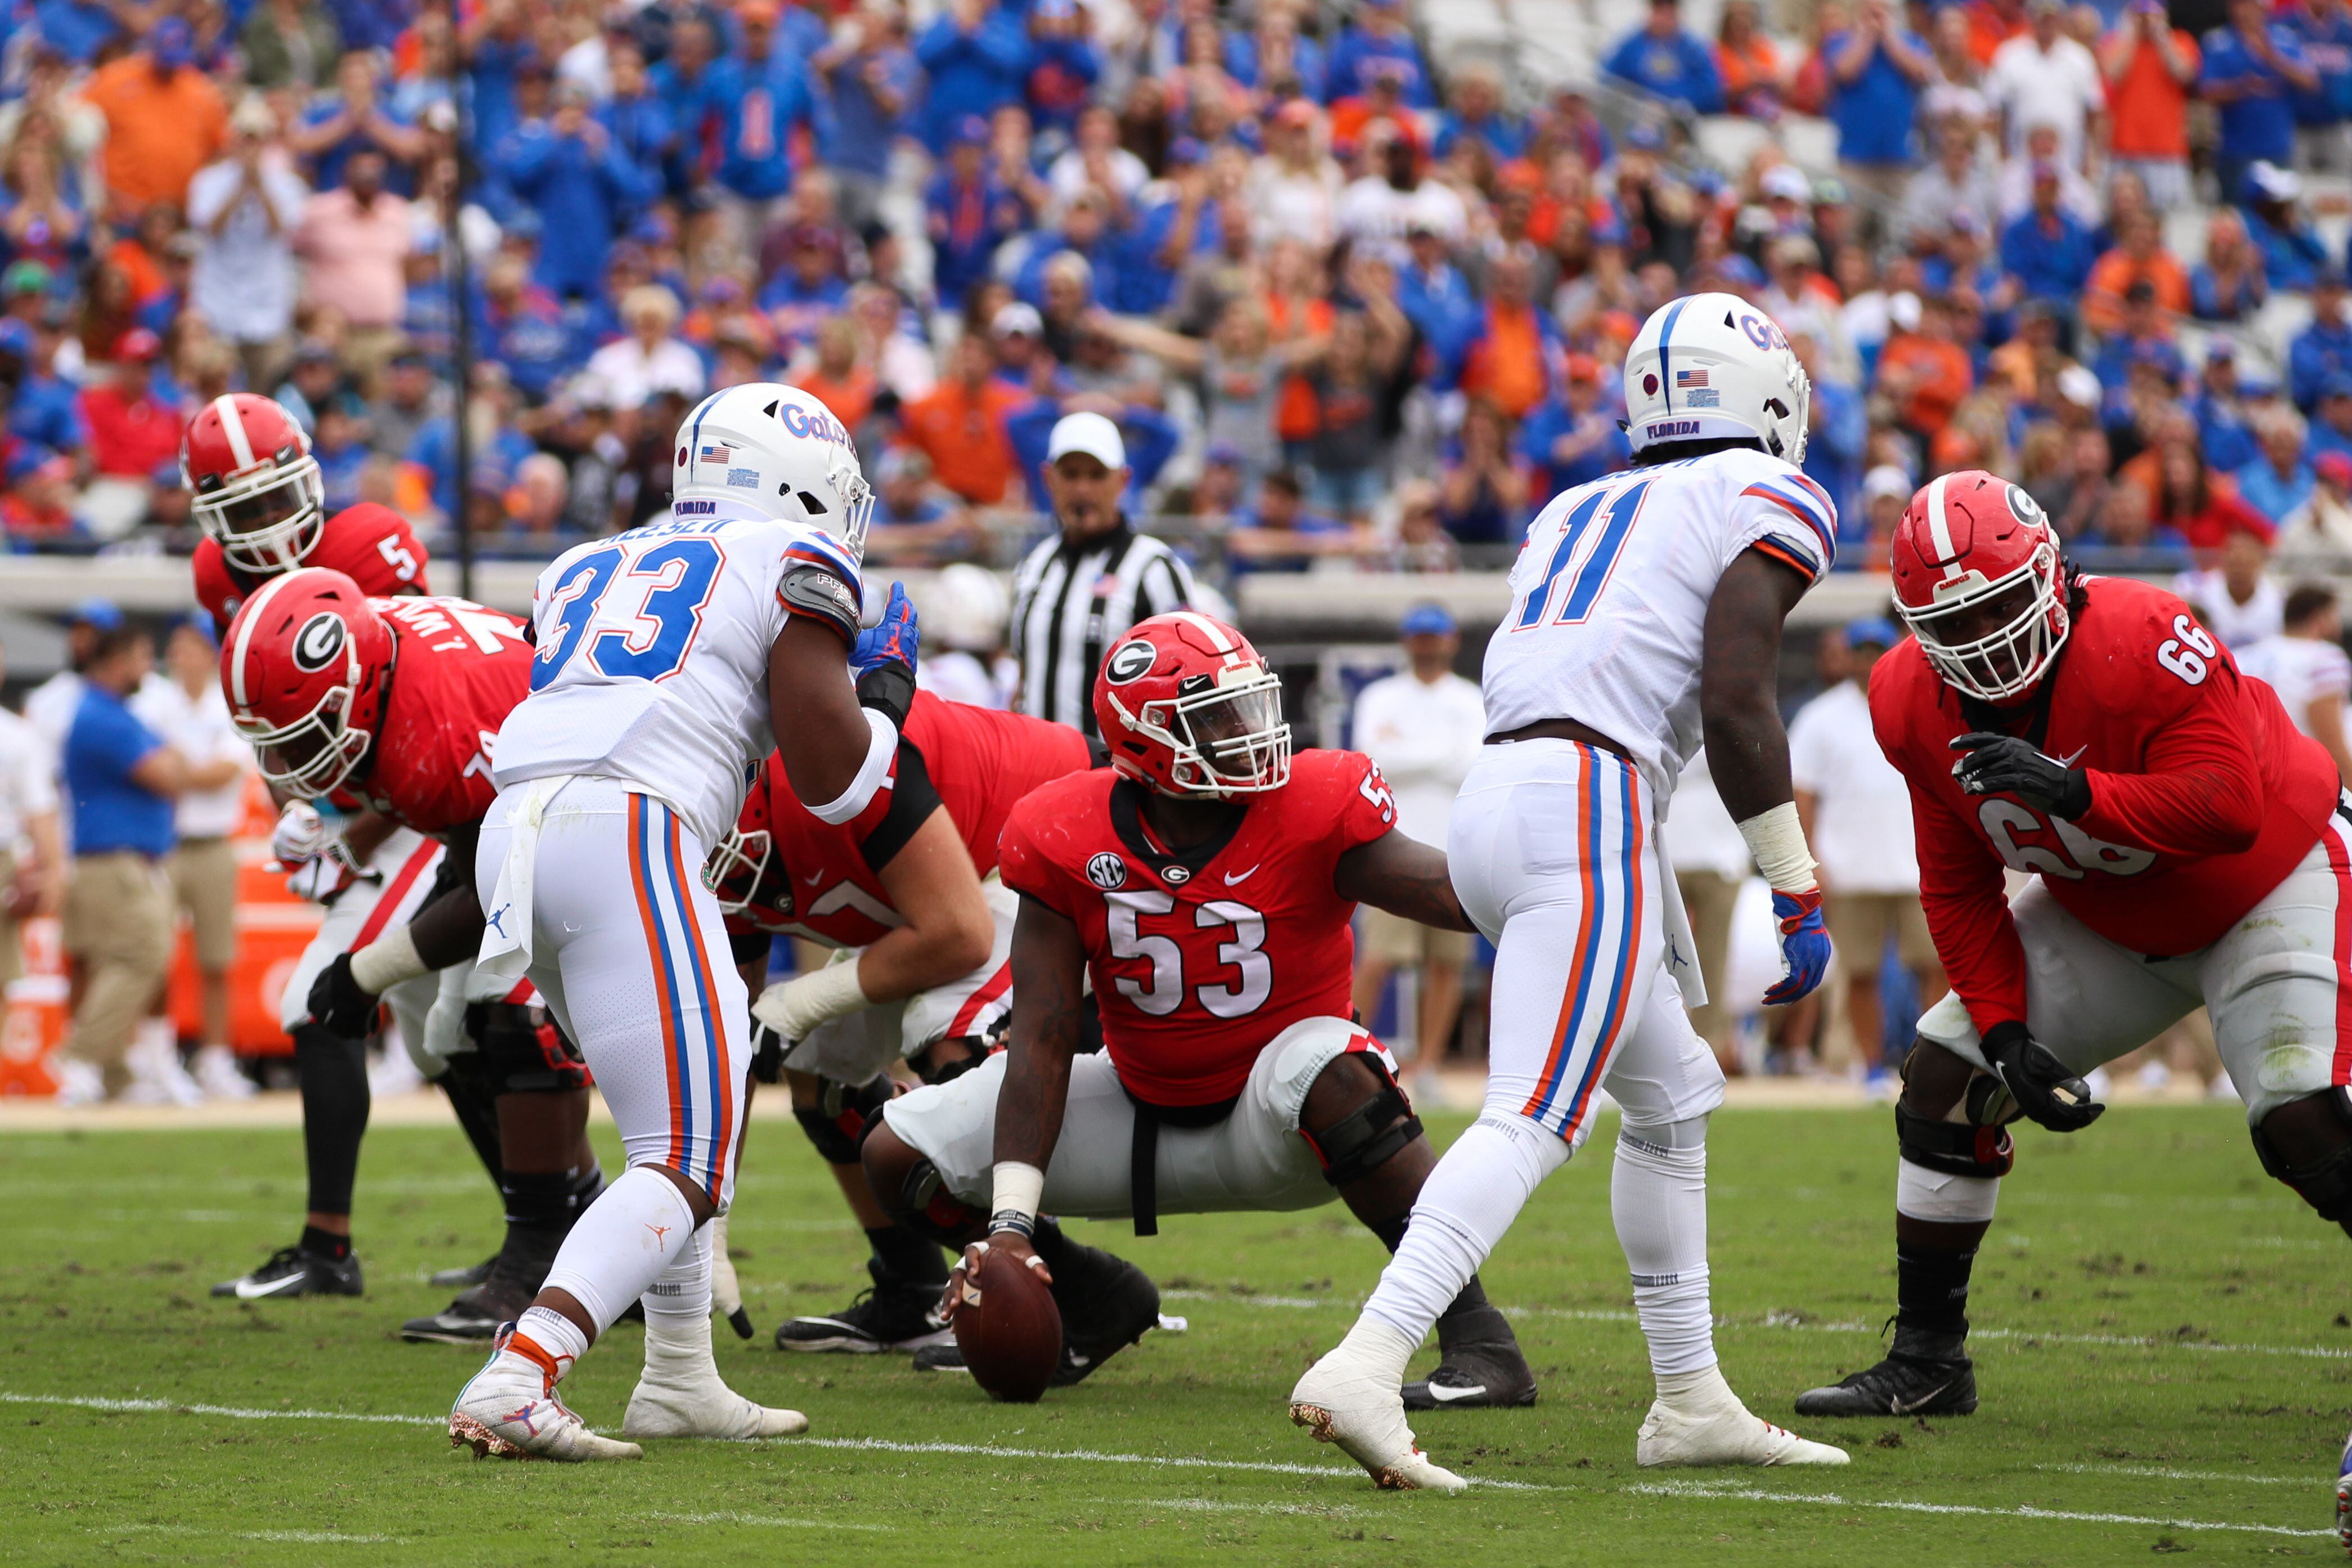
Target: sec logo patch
{"points": [[1130, 661], [319, 641], [1106, 871]]}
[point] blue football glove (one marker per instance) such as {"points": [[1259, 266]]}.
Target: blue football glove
{"points": [[894, 639], [1804, 945]]}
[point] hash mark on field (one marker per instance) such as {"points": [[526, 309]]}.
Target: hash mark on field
{"points": [[235, 1412], [2160, 1472], [766, 1518], [1712, 1489], [1213, 1505], [306, 1537], [1100, 1457]]}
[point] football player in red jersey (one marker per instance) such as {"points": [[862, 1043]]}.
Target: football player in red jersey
{"points": [[258, 493], [1207, 879], [2188, 847], [908, 892], [398, 703]]}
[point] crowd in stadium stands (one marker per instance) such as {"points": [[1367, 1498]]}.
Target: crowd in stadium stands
{"points": [[1346, 302]]}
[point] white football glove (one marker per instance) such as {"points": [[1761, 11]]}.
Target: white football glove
{"points": [[796, 1006], [301, 835]]}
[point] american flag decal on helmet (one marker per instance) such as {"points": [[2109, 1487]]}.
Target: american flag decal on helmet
{"points": [[1687, 378], [715, 452]]}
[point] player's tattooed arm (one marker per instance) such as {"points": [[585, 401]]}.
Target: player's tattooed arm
{"points": [[1049, 962], [1739, 692], [1403, 876]]}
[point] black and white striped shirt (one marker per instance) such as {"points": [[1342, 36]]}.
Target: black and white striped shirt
{"points": [[1069, 602]]}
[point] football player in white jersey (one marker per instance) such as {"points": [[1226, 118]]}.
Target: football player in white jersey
{"points": [[671, 660], [1646, 608]]}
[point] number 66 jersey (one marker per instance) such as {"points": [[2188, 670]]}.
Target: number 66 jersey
{"points": [[1200, 957], [2203, 796]]}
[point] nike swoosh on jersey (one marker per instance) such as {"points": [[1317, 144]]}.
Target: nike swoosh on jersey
{"points": [[1233, 881], [1446, 1393], [2068, 760], [814, 878]]}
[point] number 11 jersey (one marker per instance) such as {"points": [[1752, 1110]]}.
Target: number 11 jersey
{"points": [[653, 658], [1201, 956], [1609, 596]]}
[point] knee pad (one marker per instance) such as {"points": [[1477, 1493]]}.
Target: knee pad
{"points": [[923, 1205], [1365, 1139], [2310, 1150], [837, 1123], [1953, 1148], [522, 1051]]}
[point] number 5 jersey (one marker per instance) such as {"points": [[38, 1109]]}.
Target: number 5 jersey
{"points": [[2203, 796], [1201, 956]]}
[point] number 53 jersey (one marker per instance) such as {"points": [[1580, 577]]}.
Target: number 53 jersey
{"points": [[2203, 796], [1200, 957], [653, 658]]}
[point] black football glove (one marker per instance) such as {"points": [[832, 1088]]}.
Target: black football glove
{"points": [[767, 1053], [2003, 764], [338, 1006], [2044, 1088]]}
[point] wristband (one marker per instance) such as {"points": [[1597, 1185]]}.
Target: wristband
{"points": [[1018, 1188], [387, 961], [872, 773], [1777, 842]]}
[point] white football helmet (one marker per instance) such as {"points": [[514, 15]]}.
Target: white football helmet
{"points": [[965, 607], [1710, 365], [779, 450]]}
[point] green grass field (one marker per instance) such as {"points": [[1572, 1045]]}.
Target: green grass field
{"points": [[2164, 1350]]}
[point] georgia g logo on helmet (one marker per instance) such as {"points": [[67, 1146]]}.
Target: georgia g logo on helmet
{"points": [[1130, 661], [319, 641]]}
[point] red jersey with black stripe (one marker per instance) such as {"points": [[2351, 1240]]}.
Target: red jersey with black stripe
{"points": [[1200, 957], [458, 669], [824, 882], [2203, 795], [372, 545]]}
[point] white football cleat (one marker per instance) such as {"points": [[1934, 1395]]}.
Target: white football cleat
{"points": [[78, 1083], [1699, 1421], [681, 1394], [1351, 1399], [217, 1075], [2344, 1498], [509, 1411]]}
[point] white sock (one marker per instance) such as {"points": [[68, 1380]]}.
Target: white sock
{"points": [[1657, 1195], [677, 1315], [1923, 1194], [1468, 1202], [629, 1237], [558, 1336]]}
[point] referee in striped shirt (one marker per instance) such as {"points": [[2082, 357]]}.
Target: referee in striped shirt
{"points": [[1076, 593]]}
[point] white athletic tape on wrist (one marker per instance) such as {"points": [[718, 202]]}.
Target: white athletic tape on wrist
{"points": [[797, 1006], [387, 961], [1018, 1189], [871, 772], [1777, 841]]}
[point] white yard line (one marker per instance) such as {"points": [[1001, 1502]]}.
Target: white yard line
{"points": [[2163, 1473], [234, 1412], [305, 1537], [1713, 1490], [1214, 1505], [774, 1520]]}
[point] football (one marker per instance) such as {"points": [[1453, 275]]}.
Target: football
{"points": [[1009, 1328]]}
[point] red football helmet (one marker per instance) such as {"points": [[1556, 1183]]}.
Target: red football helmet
{"points": [[1188, 708], [744, 873], [255, 488], [1979, 581], [307, 665]]}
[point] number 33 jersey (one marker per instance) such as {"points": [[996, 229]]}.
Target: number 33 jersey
{"points": [[2203, 796], [653, 658], [1609, 596], [1200, 957]]}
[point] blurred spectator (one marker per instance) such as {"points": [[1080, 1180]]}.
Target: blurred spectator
{"points": [[1886, 492], [1480, 114], [36, 508], [32, 849], [288, 44], [1422, 726], [2235, 598], [1955, 183], [2229, 285], [164, 119], [1421, 541], [2331, 429], [582, 184], [1280, 534], [134, 436], [977, 56], [2203, 505], [651, 357], [1482, 490], [2323, 349], [1875, 71], [355, 240], [872, 81], [2138, 258], [2151, 67], [246, 208], [914, 519], [2322, 530], [2305, 663], [960, 425], [2044, 76], [1508, 358], [761, 95], [188, 713], [1664, 60], [1240, 371], [1923, 374], [1856, 812], [971, 213], [2280, 478], [2277, 226], [2047, 249], [353, 119], [2015, 183], [1755, 79], [2126, 527], [2251, 70], [1378, 41]]}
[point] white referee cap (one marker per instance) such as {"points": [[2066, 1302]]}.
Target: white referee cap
{"points": [[1092, 434]]}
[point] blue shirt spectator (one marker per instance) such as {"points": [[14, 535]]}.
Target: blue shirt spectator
{"points": [[112, 811], [970, 212], [1876, 72], [978, 58], [1150, 437], [1063, 66], [2331, 429], [77, 29], [874, 84], [2289, 248], [523, 328], [1837, 449], [2273, 492], [1667, 62], [2222, 431], [2326, 40], [356, 118], [760, 95], [436, 451], [686, 82], [637, 119], [2323, 349], [572, 173], [1436, 301], [1084, 232], [2046, 249], [2252, 68], [1569, 438], [1379, 34], [1244, 57], [494, 63]]}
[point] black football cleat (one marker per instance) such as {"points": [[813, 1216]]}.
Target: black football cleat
{"points": [[945, 1356], [893, 1315], [464, 1278], [1481, 1366], [291, 1271], [1108, 1304], [1923, 1375]]}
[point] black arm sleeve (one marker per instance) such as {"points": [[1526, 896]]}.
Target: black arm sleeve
{"points": [[913, 798], [889, 690], [744, 946]]}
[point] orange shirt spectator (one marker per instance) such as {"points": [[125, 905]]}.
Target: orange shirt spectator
{"points": [[1992, 23], [1506, 365], [1926, 373], [960, 427], [164, 119], [849, 397], [2113, 274], [2147, 100], [1296, 417]]}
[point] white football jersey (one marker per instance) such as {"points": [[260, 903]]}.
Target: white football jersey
{"points": [[2299, 670], [653, 658], [1609, 596]]}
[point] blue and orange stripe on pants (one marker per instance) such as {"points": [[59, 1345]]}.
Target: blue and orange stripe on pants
{"points": [[1609, 871], [681, 968]]}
